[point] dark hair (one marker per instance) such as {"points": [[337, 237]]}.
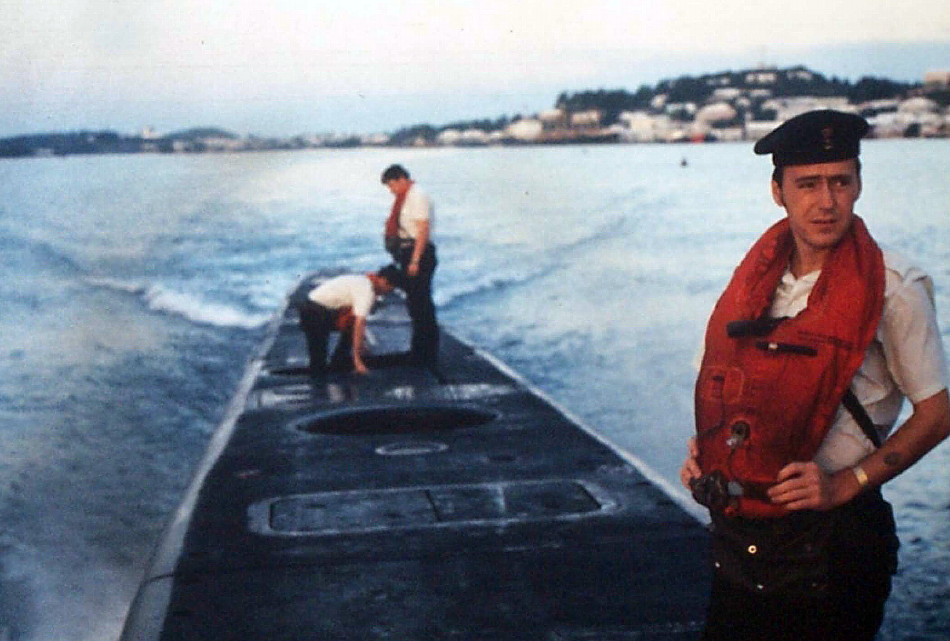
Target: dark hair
{"points": [[391, 274], [778, 174], [394, 172]]}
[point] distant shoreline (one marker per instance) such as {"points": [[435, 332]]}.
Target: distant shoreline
{"points": [[47, 151], [730, 106]]}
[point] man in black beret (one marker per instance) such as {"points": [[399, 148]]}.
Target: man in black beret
{"points": [[809, 353], [814, 137]]}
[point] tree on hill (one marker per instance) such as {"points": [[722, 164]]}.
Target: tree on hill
{"points": [[409, 135], [198, 133], [783, 83], [610, 103], [62, 144], [686, 89], [484, 124], [869, 88]]}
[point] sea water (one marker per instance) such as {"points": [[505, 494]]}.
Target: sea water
{"points": [[134, 288]]}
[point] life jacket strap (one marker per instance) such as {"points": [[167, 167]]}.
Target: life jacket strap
{"points": [[860, 416]]}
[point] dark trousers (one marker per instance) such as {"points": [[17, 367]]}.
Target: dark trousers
{"points": [[317, 322], [863, 554], [425, 329]]}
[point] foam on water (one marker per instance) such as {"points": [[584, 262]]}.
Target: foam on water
{"points": [[188, 306]]}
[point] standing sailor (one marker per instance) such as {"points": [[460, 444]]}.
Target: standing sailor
{"points": [[809, 354], [408, 237]]}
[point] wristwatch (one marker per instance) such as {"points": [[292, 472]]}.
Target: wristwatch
{"points": [[861, 476]]}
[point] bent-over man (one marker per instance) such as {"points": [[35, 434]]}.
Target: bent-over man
{"points": [[342, 304]]}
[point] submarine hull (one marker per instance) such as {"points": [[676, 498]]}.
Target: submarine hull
{"points": [[416, 504]]}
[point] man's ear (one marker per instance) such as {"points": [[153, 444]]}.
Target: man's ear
{"points": [[777, 194]]}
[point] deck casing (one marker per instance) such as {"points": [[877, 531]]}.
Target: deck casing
{"points": [[413, 504]]}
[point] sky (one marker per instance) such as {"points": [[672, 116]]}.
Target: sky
{"points": [[287, 67]]}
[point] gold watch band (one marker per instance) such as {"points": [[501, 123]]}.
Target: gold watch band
{"points": [[861, 476]]}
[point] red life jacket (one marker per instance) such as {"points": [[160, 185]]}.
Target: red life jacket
{"points": [[391, 229], [768, 391]]}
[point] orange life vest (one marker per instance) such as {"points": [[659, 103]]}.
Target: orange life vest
{"points": [[391, 229], [768, 390]]}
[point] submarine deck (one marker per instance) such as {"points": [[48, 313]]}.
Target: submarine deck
{"points": [[412, 504]]}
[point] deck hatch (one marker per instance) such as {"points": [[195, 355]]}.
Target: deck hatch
{"points": [[397, 420], [366, 510], [286, 396]]}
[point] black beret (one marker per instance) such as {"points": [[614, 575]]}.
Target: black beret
{"points": [[814, 137]]}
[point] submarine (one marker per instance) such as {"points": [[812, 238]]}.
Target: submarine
{"points": [[452, 503]]}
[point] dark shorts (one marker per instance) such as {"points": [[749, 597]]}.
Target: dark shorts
{"points": [[837, 592]]}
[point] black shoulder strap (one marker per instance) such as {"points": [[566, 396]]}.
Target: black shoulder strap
{"points": [[860, 415]]}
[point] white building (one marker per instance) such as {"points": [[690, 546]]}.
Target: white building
{"points": [[525, 130], [786, 108], [937, 78], [756, 129], [715, 112], [916, 116], [553, 118], [918, 106], [681, 108], [640, 126], [726, 93], [585, 119], [449, 137], [761, 77], [376, 139], [474, 137]]}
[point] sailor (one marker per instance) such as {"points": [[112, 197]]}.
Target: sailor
{"points": [[408, 238], [342, 304], [809, 354]]}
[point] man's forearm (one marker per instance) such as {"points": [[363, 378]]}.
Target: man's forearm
{"points": [[359, 331], [928, 425], [803, 485]]}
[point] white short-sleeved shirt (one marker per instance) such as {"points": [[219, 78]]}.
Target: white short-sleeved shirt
{"points": [[906, 358], [350, 290], [417, 208]]}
